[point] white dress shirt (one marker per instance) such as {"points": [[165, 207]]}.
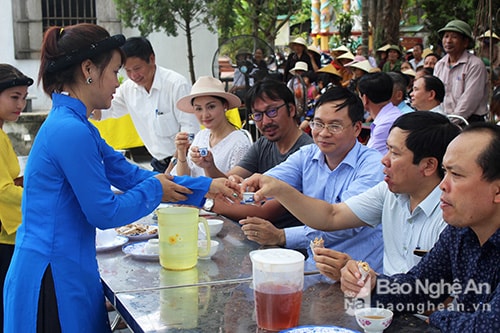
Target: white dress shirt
{"points": [[154, 114]]}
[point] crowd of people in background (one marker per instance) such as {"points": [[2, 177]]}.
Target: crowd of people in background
{"points": [[394, 193]]}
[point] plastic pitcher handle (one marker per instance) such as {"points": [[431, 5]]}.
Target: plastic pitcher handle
{"points": [[207, 235]]}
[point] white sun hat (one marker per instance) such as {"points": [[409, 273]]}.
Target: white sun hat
{"points": [[207, 86], [299, 66]]}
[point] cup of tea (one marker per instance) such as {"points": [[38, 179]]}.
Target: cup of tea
{"points": [[278, 280], [203, 151], [178, 237]]}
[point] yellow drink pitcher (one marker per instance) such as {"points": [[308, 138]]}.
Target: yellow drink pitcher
{"points": [[178, 234]]}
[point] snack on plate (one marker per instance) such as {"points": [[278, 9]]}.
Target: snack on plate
{"points": [[364, 269], [135, 229]]}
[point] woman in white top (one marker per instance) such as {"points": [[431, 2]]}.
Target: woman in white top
{"points": [[222, 142]]}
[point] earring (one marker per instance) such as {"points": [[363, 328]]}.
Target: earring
{"points": [[89, 80]]}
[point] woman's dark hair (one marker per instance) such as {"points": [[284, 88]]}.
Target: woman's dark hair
{"points": [[429, 134], [62, 50], [12, 77], [272, 89], [489, 158], [434, 83], [352, 101]]}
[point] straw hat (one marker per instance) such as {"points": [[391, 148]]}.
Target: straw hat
{"points": [[488, 34], [426, 52], [300, 41], [341, 48], [409, 72], [313, 49], [329, 69], [207, 86], [348, 55], [357, 58], [299, 66], [364, 65], [383, 48]]}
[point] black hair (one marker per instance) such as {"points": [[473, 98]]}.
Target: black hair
{"points": [[399, 81], [489, 158], [272, 89], [64, 49], [434, 83], [351, 100], [138, 47], [10, 77], [376, 86], [429, 134]]}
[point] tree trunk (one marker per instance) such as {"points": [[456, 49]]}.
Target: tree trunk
{"points": [[392, 17], [189, 39], [364, 27]]}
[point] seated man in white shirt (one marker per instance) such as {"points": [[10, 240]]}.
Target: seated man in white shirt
{"points": [[428, 94], [406, 203], [149, 96]]}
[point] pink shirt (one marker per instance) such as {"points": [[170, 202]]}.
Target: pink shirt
{"points": [[466, 85]]}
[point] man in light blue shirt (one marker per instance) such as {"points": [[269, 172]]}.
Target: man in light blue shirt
{"points": [[334, 169], [406, 204]]}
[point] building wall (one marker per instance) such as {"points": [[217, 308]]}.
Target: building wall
{"points": [[171, 52]]}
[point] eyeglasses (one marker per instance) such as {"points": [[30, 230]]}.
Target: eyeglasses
{"points": [[271, 113], [331, 128]]}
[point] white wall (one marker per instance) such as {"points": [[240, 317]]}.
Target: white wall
{"points": [[171, 52]]}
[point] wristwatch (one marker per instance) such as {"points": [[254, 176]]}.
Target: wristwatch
{"points": [[209, 204]]}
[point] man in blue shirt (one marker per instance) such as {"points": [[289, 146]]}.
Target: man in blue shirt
{"points": [[465, 262], [335, 168], [406, 203]]}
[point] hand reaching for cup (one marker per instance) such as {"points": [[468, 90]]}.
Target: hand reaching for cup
{"points": [[263, 186], [223, 187]]}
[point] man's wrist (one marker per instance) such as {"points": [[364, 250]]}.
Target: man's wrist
{"points": [[282, 237]]}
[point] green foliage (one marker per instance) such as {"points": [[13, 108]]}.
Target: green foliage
{"points": [[440, 12], [167, 15]]}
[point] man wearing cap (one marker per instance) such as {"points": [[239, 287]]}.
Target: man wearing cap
{"points": [[149, 96], [299, 53], [463, 74], [393, 62]]}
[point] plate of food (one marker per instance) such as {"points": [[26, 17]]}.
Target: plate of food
{"points": [[319, 329], [117, 242], [142, 250], [138, 231]]}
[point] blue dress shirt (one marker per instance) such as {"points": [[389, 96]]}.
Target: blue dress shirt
{"points": [[307, 171]]}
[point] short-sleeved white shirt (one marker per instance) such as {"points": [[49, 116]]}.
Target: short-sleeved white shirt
{"points": [[154, 113], [403, 231]]}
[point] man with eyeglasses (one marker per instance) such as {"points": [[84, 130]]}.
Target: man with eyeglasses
{"points": [[335, 168], [406, 203], [272, 107], [375, 90]]}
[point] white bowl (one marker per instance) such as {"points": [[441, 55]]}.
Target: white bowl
{"points": [[373, 320], [215, 226], [214, 245]]}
